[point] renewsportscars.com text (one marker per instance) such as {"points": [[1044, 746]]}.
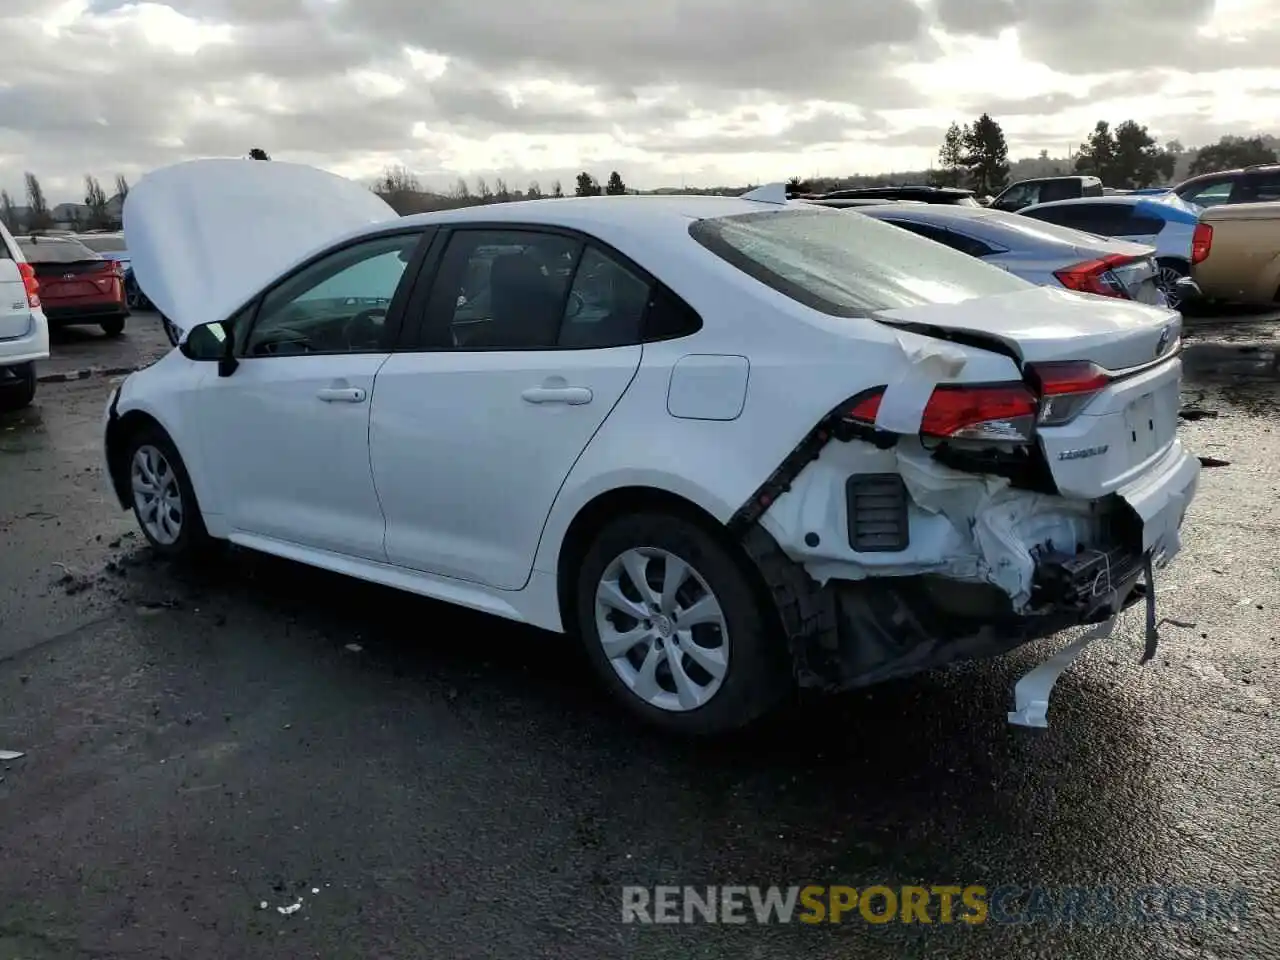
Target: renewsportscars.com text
{"points": [[938, 904]]}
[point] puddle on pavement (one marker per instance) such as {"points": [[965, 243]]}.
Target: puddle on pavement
{"points": [[1216, 361]]}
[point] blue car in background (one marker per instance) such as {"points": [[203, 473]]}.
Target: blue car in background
{"points": [[1163, 221], [111, 246]]}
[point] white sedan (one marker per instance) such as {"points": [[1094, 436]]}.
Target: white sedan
{"points": [[738, 446]]}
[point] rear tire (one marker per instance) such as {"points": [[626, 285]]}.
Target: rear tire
{"points": [[23, 393], [164, 501], [719, 671], [1171, 271], [113, 327]]}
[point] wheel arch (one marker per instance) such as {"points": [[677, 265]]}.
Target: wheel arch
{"points": [[636, 498], [122, 426]]}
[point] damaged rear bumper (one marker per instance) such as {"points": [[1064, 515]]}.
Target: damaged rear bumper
{"points": [[986, 567], [859, 633]]}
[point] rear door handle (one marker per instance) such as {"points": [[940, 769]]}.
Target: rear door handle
{"points": [[342, 395], [570, 395]]}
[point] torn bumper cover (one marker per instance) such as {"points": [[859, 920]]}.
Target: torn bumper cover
{"points": [[847, 634]]}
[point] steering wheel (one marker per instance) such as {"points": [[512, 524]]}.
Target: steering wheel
{"points": [[363, 330]]}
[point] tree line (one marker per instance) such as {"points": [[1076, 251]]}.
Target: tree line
{"points": [[1127, 157], [404, 193], [38, 215]]}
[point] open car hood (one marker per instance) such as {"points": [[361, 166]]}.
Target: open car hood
{"points": [[205, 235]]}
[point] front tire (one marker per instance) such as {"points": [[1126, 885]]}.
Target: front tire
{"points": [[672, 624], [113, 327], [164, 502], [24, 392]]}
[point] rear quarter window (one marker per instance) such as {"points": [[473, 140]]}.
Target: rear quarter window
{"points": [[848, 265]]}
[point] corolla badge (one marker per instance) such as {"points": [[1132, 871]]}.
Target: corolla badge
{"points": [[1163, 342], [1083, 452]]}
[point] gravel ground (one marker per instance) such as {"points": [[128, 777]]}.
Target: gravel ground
{"points": [[433, 783]]}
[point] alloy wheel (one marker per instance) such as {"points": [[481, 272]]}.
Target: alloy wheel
{"points": [[1168, 278], [662, 629], [157, 497]]}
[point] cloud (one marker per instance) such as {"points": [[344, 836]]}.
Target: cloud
{"points": [[729, 90]]}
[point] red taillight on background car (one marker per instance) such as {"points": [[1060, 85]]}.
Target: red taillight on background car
{"points": [[31, 284], [1201, 242], [1095, 276], [1001, 412], [1066, 388]]}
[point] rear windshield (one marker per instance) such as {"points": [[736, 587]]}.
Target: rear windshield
{"points": [[848, 265], [49, 250], [106, 244]]}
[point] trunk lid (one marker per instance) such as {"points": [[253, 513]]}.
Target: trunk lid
{"points": [[206, 235], [1045, 324], [1127, 424], [15, 314], [77, 278]]}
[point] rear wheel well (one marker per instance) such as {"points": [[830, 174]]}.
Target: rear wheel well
{"points": [[630, 500], [119, 430]]}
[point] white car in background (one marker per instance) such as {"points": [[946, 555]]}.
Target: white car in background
{"points": [[735, 445], [24, 331]]}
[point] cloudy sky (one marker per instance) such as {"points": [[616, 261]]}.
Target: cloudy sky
{"points": [[665, 91]]}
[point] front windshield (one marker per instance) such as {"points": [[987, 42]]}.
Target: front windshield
{"points": [[845, 264]]}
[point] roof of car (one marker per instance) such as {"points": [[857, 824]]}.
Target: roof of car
{"points": [[1169, 207], [1217, 174], [916, 188], [939, 211], [635, 211]]}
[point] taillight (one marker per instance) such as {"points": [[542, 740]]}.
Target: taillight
{"points": [[1001, 412], [30, 284], [1066, 388], [1201, 242], [1095, 276]]}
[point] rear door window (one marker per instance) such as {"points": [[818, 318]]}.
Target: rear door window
{"points": [[848, 266]]}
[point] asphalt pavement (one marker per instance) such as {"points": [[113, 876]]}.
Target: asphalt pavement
{"points": [[433, 783]]}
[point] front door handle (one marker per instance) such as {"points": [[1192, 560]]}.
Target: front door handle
{"points": [[570, 395], [342, 395]]}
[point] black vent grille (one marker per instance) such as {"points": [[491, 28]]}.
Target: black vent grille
{"points": [[877, 505]]}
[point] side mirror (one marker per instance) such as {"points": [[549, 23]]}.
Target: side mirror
{"points": [[211, 342]]}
